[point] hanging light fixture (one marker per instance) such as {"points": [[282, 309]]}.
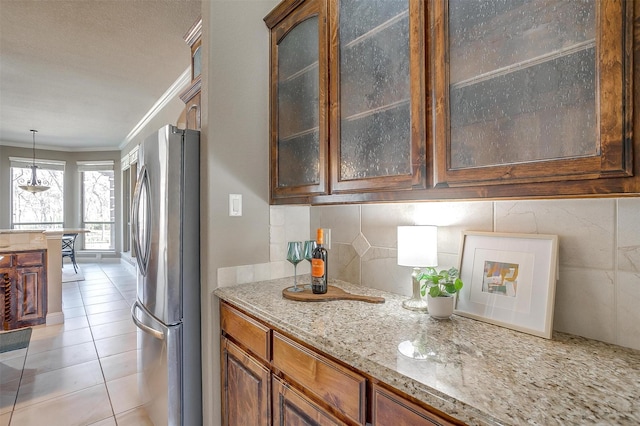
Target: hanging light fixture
{"points": [[34, 184]]}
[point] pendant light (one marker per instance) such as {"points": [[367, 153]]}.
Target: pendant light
{"points": [[34, 185]]}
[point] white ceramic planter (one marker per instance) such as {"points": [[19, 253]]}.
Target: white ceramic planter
{"points": [[440, 307]]}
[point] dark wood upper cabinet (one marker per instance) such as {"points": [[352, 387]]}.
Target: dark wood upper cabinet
{"points": [[377, 132], [192, 95], [438, 99], [298, 92], [531, 90]]}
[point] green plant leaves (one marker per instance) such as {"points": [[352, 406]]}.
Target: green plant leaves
{"points": [[439, 284]]}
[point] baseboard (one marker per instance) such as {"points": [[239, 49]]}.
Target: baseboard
{"points": [[54, 318]]}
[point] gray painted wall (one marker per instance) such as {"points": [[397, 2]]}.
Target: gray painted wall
{"points": [[234, 159], [72, 184]]}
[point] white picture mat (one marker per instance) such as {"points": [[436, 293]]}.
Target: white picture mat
{"points": [[530, 308]]}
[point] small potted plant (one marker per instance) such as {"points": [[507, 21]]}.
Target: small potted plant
{"points": [[440, 288]]}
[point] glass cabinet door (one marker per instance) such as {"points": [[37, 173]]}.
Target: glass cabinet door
{"points": [[528, 90], [377, 95], [298, 96]]}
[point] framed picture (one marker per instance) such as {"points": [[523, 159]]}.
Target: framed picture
{"points": [[509, 280]]}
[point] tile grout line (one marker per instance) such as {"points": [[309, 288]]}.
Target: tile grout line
{"points": [[104, 379]]}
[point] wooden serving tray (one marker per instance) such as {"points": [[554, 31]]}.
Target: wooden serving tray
{"points": [[333, 293]]}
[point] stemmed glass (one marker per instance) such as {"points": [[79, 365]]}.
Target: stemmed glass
{"points": [[294, 255], [309, 246]]}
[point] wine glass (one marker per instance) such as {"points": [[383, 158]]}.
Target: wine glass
{"points": [[294, 255], [309, 247]]}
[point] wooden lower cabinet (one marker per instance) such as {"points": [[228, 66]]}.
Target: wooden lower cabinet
{"points": [[271, 379], [391, 409], [246, 391], [23, 289]]}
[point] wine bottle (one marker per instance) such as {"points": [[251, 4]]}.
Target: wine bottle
{"points": [[319, 266]]}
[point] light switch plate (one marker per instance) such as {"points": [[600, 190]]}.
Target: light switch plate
{"points": [[235, 204]]}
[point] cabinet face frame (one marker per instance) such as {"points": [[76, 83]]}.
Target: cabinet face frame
{"points": [[614, 100], [281, 21], [417, 179]]}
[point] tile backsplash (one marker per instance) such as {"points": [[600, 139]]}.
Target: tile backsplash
{"points": [[598, 289]]}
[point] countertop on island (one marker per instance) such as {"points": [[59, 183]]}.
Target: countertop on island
{"points": [[476, 372], [16, 240]]}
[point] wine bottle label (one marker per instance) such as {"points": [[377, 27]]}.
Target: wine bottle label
{"points": [[317, 268]]}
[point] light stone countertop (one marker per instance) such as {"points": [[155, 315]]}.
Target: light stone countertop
{"points": [[477, 372], [15, 240]]}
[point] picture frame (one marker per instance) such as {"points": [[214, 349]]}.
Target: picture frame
{"points": [[509, 280]]}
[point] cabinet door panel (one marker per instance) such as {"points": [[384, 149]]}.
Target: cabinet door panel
{"points": [[30, 298], [377, 96], [299, 79], [530, 91], [246, 388], [291, 408]]}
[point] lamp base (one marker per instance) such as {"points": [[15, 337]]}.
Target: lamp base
{"points": [[415, 305]]}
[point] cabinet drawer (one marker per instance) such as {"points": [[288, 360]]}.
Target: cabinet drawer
{"points": [[6, 261], [246, 331], [32, 258], [328, 381], [392, 409]]}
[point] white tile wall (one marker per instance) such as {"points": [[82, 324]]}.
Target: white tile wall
{"points": [[598, 291]]}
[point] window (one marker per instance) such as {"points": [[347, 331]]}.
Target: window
{"points": [[98, 204], [43, 210]]}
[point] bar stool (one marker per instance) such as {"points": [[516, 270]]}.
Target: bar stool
{"points": [[68, 249]]}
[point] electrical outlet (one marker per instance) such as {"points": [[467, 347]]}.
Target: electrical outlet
{"points": [[327, 238]]}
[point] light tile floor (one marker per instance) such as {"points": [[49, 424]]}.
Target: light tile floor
{"points": [[83, 372]]}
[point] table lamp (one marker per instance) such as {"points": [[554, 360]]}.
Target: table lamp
{"points": [[417, 247]]}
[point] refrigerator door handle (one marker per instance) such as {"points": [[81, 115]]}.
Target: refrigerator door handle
{"points": [[141, 220], [149, 330]]}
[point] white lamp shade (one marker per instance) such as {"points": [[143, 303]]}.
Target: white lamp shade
{"points": [[417, 246]]}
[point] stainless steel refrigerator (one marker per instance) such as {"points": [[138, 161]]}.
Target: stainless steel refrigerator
{"points": [[166, 239]]}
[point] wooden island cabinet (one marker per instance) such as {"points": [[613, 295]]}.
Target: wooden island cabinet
{"points": [[23, 289], [270, 378], [434, 99]]}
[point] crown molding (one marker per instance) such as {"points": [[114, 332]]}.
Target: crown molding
{"points": [[172, 92]]}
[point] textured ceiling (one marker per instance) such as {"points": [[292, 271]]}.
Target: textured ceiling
{"points": [[85, 72]]}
